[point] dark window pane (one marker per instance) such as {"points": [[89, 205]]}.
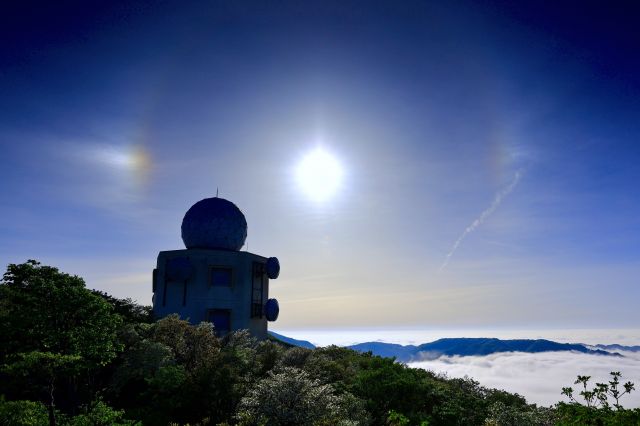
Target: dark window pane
{"points": [[221, 319], [221, 277], [257, 289]]}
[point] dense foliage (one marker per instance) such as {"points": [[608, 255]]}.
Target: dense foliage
{"points": [[73, 356]]}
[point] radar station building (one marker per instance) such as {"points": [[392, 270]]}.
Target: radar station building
{"points": [[212, 280]]}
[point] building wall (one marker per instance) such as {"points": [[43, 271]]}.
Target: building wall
{"points": [[201, 296]]}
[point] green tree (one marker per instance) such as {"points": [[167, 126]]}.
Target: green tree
{"points": [[43, 309], [388, 386], [53, 329], [130, 311], [22, 413], [596, 409], [599, 395], [174, 371], [43, 369], [397, 419], [505, 415], [292, 397], [100, 414]]}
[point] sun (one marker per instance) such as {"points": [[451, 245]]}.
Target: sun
{"points": [[319, 175]]}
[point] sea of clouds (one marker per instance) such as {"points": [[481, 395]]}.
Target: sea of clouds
{"points": [[538, 377]]}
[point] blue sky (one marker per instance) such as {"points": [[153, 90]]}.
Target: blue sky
{"points": [[118, 117]]}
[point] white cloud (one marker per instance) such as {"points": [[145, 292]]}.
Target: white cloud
{"points": [[539, 377]]}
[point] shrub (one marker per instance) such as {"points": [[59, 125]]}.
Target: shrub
{"points": [[23, 413], [292, 397]]}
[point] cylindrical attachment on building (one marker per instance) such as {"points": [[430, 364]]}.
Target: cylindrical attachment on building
{"points": [[273, 267], [271, 309]]}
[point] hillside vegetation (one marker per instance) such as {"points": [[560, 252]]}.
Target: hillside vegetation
{"points": [[72, 356]]}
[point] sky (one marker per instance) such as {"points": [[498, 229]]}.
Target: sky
{"points": [[489, 152]]}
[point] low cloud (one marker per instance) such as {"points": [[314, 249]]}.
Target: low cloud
{"points": [[539, 377]]}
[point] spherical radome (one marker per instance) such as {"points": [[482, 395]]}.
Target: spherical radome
{"points": [[214, 223]]}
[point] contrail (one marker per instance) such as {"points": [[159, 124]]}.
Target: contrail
{"points": [[483, 216]]}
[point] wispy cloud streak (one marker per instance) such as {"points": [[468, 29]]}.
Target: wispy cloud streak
{"points": [[483, 216]]}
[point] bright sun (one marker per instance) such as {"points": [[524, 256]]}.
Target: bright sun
{"points": [[319, 175]]}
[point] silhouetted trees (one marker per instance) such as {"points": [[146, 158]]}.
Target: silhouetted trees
{"points": [[55, 336], [597, 408], [73, 356]]}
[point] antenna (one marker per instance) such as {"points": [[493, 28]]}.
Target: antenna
{"points": [[216, 192]]}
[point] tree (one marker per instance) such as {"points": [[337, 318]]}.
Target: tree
{"points": [[44, 368], [100, 414], [596, 409], [46, 310], [22, 413], [599, 395], [174, 371], [388, 386], [291, 397], [504, 415], [129, 310], [53, 329]]}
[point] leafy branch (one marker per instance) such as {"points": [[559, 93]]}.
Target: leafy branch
{"points": [[598, 396]]}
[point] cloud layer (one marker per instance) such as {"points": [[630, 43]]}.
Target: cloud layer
{"points": [[539, 377]]}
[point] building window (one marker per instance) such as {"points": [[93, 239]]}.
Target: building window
{"points": [[257, 289], [220, 277], [221, 319]]}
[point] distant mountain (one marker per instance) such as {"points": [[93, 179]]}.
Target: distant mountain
{"points": [[467, 347], [471, 346], [291, 341], [387, 350], [616, 347]]}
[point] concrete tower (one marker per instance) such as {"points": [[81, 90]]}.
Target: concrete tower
{"points": [[212, 280]]}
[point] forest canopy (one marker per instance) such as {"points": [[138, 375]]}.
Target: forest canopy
{"points": [[74, 356]]}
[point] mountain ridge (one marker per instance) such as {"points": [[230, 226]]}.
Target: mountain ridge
{"points": [[471, 346], [467, 346], [292, 341]]}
